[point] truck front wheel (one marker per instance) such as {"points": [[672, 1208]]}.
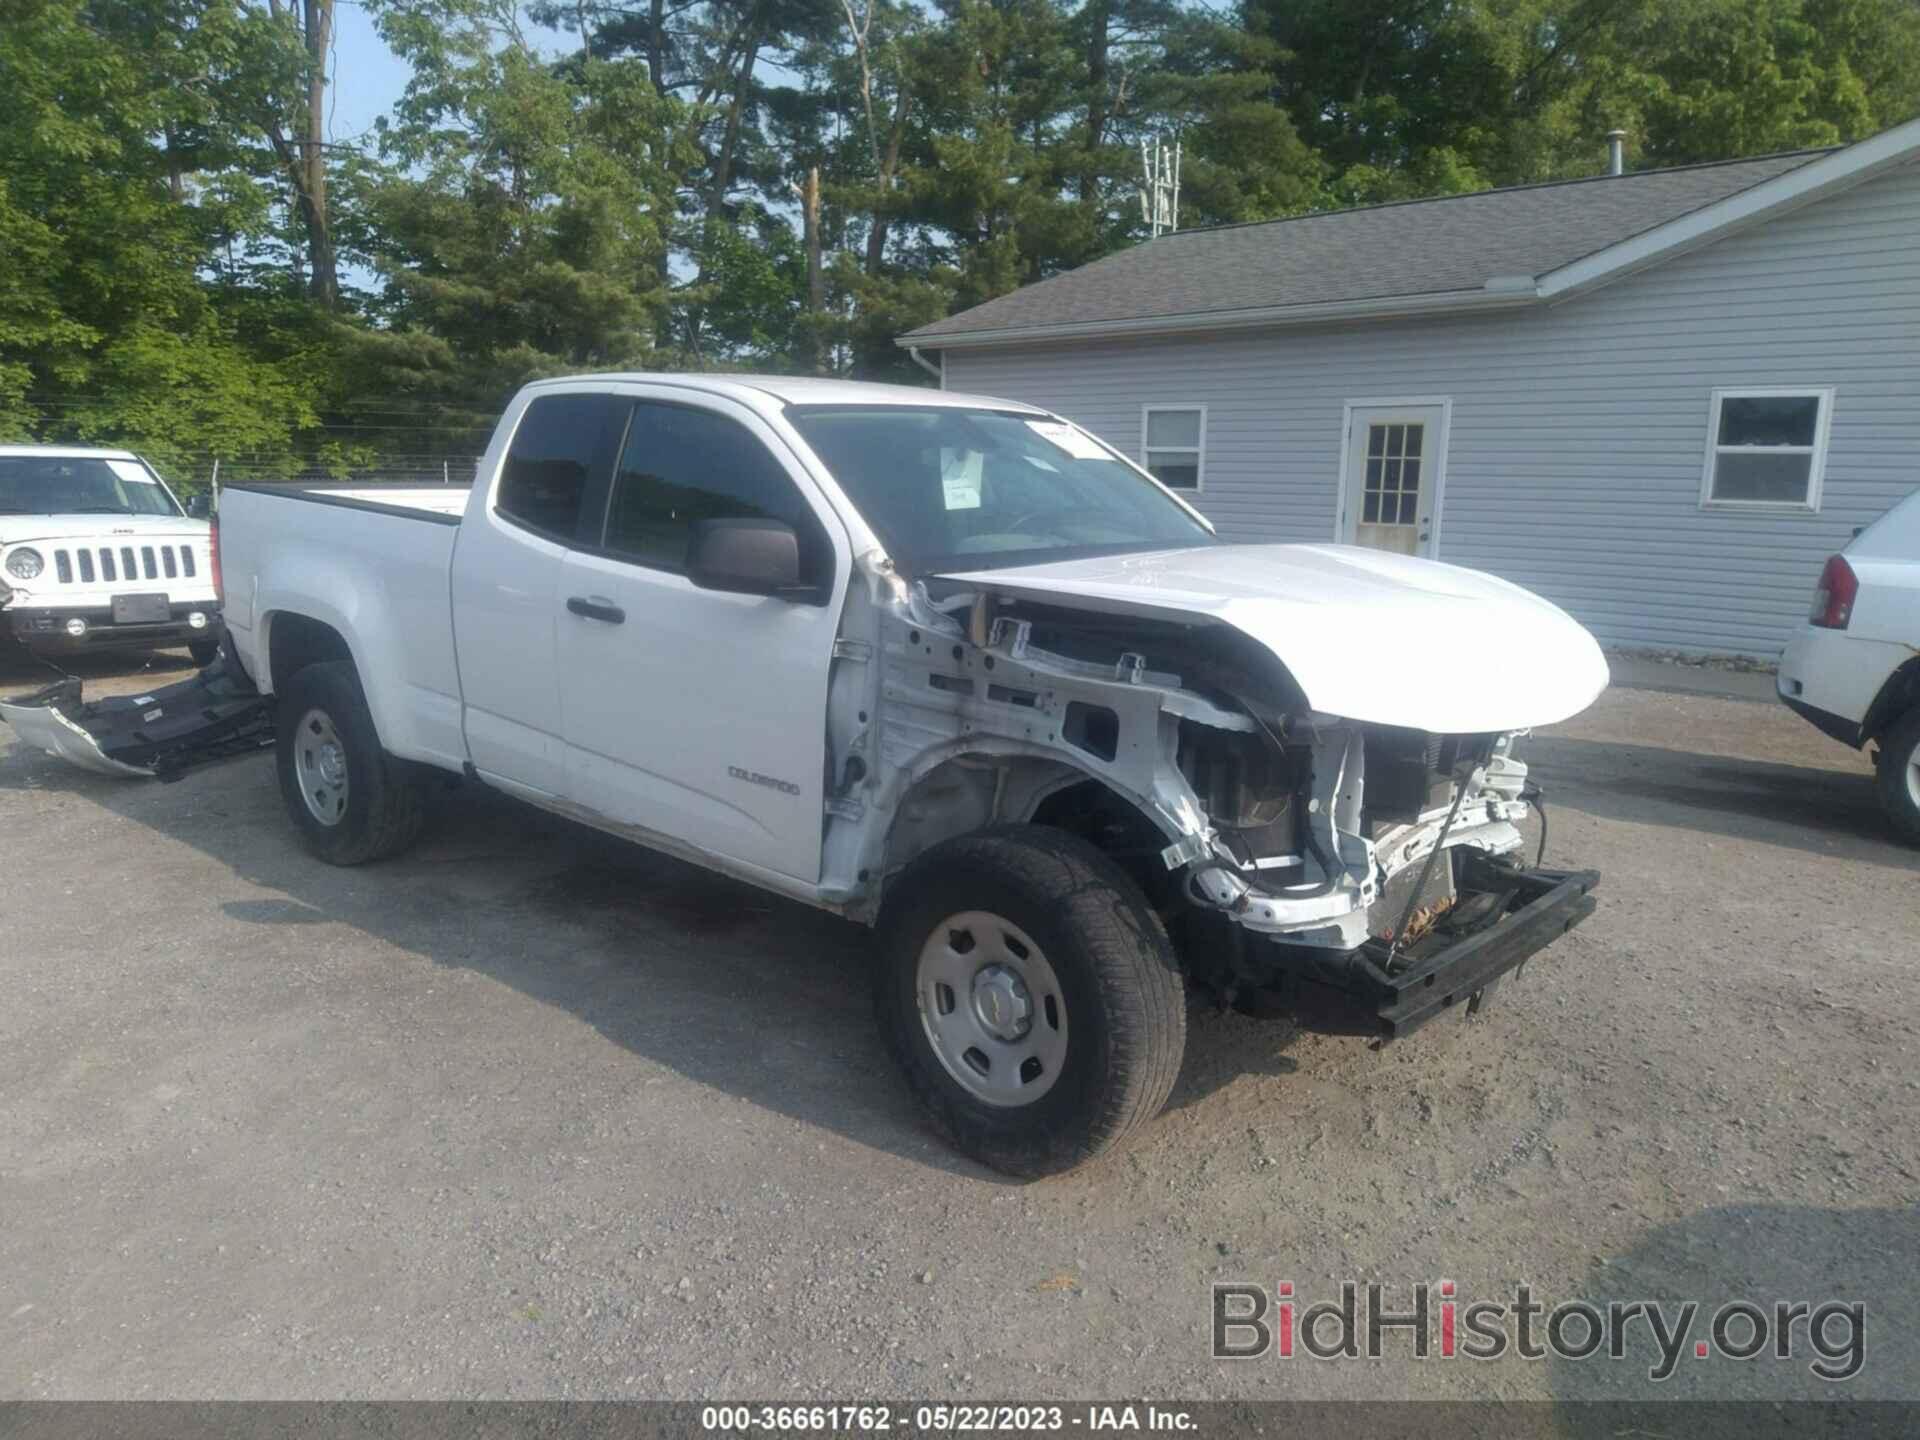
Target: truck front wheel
{"points": [[1029, 993], [350, 800]]}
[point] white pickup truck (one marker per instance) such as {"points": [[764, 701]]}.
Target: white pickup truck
{"points": [[96, 553], [947, 665]]}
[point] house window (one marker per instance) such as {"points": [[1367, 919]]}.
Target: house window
{"points": [[1173, 444], [1766, 449]]}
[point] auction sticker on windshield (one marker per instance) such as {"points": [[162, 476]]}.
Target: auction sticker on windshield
{"points": [[1079, 446], [132, 473]]}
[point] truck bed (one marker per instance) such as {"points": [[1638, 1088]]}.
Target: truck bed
{"points": [[375, 563], [440, 502]]}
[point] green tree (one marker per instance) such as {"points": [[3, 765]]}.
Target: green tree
{"points": [[522, 230], [113, 323]]}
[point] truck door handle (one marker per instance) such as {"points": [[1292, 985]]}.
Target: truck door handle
{"points": [[592, 607]]}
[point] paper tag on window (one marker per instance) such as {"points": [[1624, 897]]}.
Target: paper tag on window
{"points": [[960, 478], [130, 472], [1080, 447]]}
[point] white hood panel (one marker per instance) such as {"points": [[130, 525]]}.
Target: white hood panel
{"points": [[1368, 635], [105, 529]]}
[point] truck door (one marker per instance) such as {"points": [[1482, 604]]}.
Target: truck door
{"points": [[696, 714], [506, 582]]}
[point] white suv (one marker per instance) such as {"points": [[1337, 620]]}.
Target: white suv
{"points": [[1854, 668], [96, 553]]}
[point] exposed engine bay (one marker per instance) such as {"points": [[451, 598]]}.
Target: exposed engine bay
{"points": [[1187, 752]]}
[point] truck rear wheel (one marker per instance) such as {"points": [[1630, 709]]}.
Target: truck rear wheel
{"points": [[1029, 993], [1898, 765], [350, 800]]}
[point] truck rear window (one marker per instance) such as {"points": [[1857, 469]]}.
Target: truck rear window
{"points": [[562, 445]]}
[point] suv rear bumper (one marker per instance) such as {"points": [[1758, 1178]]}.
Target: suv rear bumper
{"points": [[43, 629], [1846, 731]]}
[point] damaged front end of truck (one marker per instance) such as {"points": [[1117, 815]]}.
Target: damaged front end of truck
{"points": [[1291, 852]]}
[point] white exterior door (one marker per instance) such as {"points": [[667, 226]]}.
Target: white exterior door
{"points": [[693, 713], [1394, 468], [506, 582]]}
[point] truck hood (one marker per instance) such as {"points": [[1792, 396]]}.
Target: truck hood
{"points": [[26, 529], [1367, 635]]}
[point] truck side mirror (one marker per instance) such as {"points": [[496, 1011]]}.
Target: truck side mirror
{"points": [[747, 557], [199, 507]]}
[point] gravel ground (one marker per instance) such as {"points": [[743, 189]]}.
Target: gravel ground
{"points": [[529, 1113]]}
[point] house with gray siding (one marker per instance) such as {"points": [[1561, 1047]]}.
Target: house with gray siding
{"points": [[1659, 398]]}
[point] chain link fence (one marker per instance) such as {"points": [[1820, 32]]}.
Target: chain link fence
{"points": [[202, 470]]}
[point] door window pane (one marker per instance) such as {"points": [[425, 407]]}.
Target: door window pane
{"points": [[562, 444], [682, 464], [1391, 495]]}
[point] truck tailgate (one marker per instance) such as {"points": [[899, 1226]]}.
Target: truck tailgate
{"points": [[157, 735]]}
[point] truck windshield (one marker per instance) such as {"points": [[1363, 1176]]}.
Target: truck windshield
{"points": [[952, 489], [79, 485]]}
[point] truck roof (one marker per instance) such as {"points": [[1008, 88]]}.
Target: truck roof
{"points": [[67, 452], [803, 390]]}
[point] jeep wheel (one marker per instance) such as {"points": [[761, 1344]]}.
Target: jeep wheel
{"points": [[1030, 995], [1899, 773], [350, 800]]}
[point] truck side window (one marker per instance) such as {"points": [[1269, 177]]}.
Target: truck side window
{"points": [[683, 464], [561, 447]]}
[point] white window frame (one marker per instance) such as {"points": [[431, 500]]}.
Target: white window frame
{"points": [[1816, 453], [1199, 452]]}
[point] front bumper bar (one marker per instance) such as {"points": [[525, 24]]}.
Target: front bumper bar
{"points": [[1430, 978], [42, 629]]}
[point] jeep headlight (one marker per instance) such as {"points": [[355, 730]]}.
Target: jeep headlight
{"points": [[25, 563]]}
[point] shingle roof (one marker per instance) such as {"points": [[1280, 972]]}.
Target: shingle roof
{"points": [[1455, 243]]}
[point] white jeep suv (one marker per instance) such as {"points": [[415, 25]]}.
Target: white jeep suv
{"points": [[1854, 668], [96, 553]]}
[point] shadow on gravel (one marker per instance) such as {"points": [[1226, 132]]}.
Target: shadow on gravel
{"points": [[1762, 1256], [759, 997], [22, 673], [1826, 812], [763, 998]]}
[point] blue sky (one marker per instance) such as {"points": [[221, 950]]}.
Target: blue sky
{"points": [[367, 77]]}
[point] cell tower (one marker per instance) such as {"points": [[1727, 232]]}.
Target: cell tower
{"points": [[1160, 186]]}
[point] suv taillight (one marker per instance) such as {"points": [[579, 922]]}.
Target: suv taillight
{"points": [[213, 549], [1833, 598]]}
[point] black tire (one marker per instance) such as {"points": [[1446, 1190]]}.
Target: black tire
{"points": [[204, 652], [1116, 976], [1899, 754], [384, 803]]}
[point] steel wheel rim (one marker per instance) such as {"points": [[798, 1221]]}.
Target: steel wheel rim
{"points": [[1913, 776], [320, 767], [992, 1008]]}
